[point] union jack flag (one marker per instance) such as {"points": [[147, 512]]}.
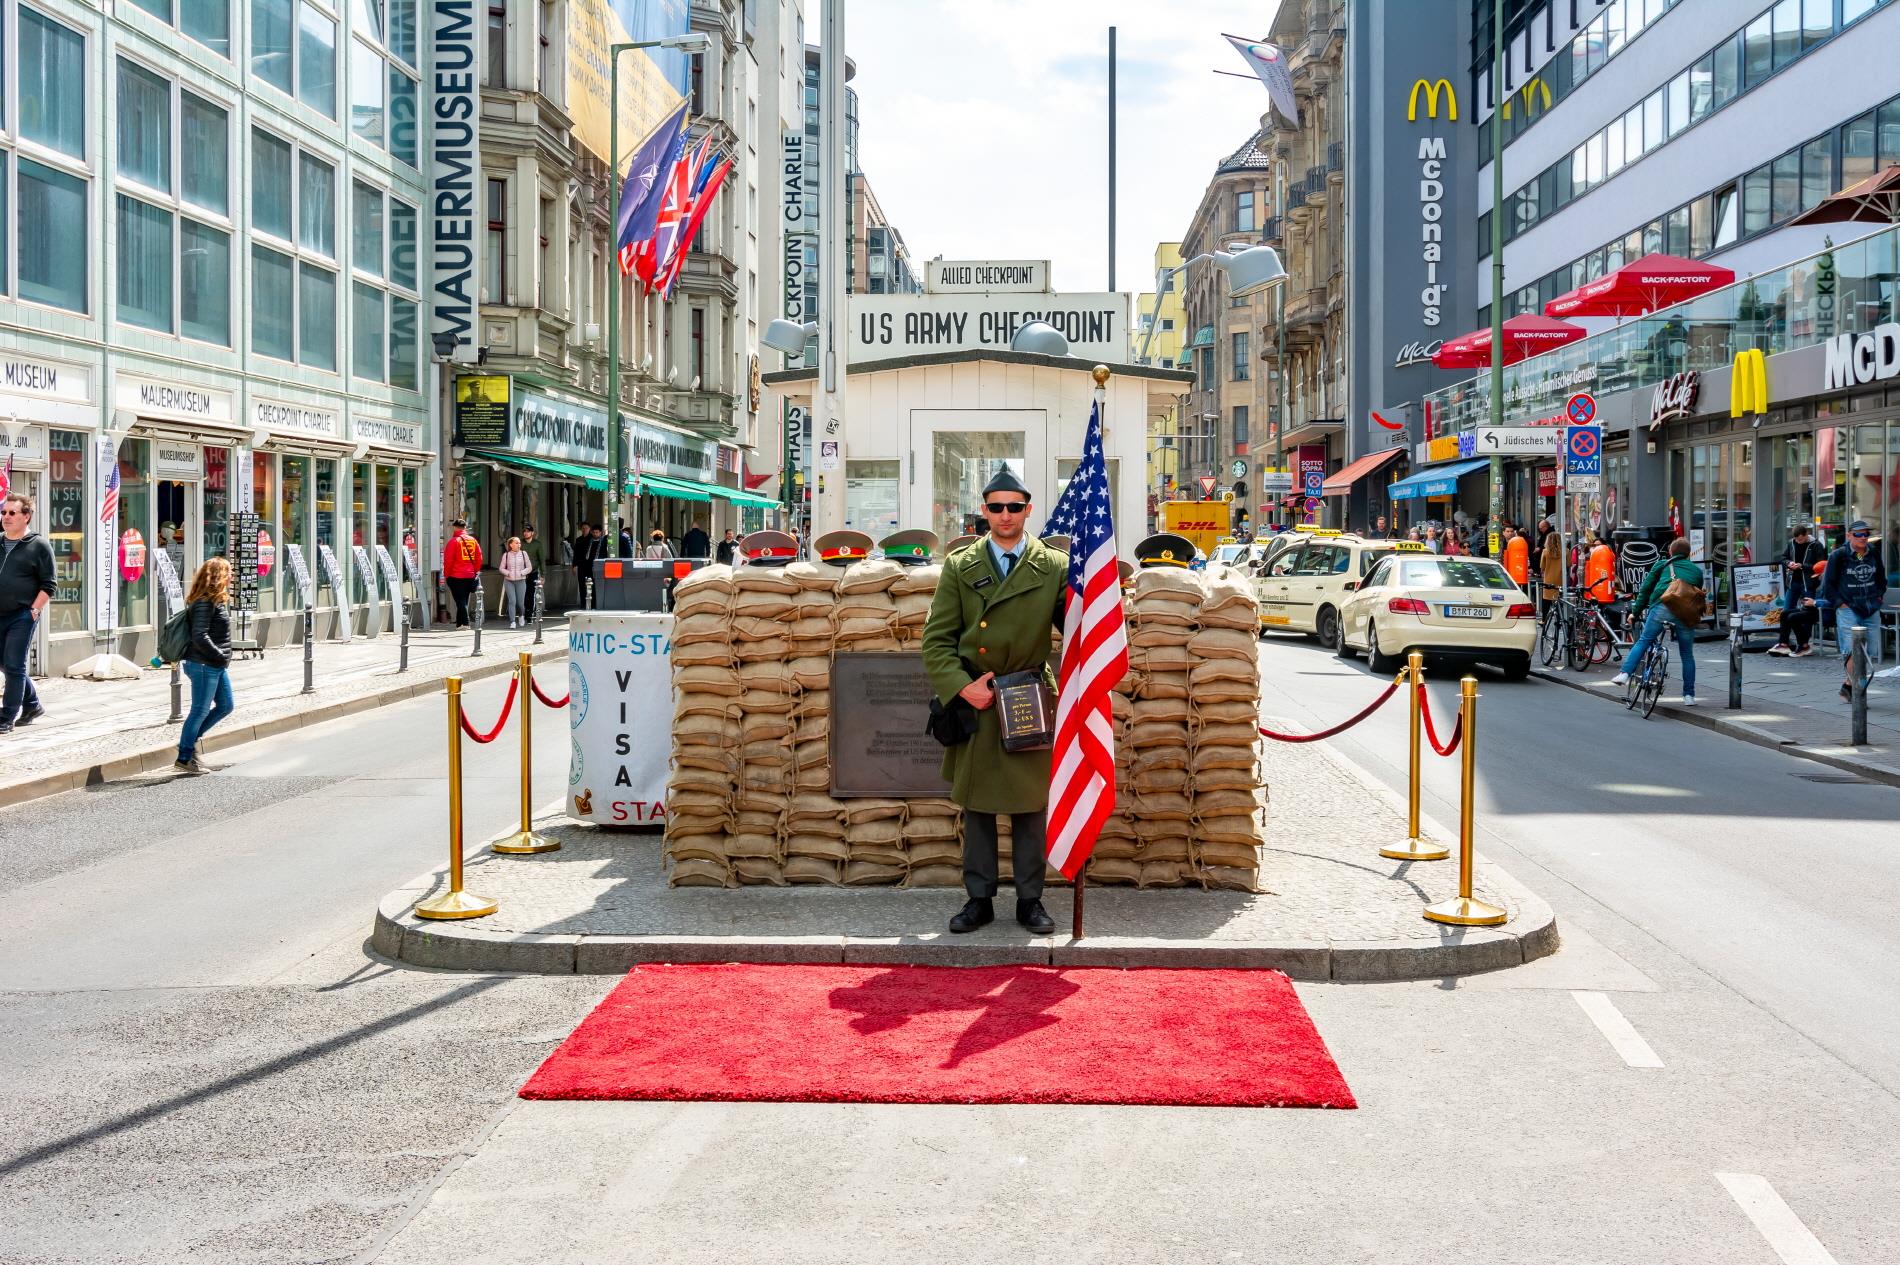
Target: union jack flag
{"points": [[109, 503], [713, 176], [655, 255], [1094, 660]]}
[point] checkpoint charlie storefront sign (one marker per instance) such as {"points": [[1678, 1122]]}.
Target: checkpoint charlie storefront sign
{"points": [[565, 430], [286, 420], [887, 326]]}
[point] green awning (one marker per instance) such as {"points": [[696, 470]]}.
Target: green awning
{"points": [[1203, 337], [593, 476], [750, 498], [675, 489]]}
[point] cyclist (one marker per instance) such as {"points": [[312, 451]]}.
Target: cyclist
{"points": [[1675, 566]]}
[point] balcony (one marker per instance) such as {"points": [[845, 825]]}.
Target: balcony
{"points": [[1305, 307], [1270, 230], [1336, 157], [1295, 198]]}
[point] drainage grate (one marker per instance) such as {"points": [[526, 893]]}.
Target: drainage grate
{"points": [[1835, 779]]}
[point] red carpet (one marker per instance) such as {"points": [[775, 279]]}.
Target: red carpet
{"points": [[927, 1034]]}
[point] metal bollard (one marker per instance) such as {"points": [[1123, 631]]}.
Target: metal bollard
{"points": [[476, 615], [455, 903], [540, 605], [1735, 666], [402, 650], [1465, 910], [1857, 669], [309, 649], [1415, 848], [525, 840], [178, 695]]}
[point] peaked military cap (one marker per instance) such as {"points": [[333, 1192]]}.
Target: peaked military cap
{"points": [[1004, 480], [913, 547], [768, 548], [1061, 542], [1165, 549], [842, 548], [1127, 570], [961, 542]]}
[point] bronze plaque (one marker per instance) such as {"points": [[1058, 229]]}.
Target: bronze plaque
{"points": [[880, 702]]}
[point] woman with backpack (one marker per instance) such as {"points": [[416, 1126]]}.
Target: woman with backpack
{"points": [[1672, 593], [207, 659]]}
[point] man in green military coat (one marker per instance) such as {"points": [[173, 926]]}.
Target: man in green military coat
{"points": [[995, 606]]}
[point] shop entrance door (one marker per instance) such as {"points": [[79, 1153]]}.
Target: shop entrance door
{"points": [[954, 452], [178, 530]]}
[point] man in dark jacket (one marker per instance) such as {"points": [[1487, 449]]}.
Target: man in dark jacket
{"points": [[727, 548], [1855, 585], [1799, 562], [697, 543], [26, 586]]}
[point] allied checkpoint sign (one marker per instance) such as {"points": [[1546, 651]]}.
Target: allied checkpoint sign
{"points": [[620, 716]]}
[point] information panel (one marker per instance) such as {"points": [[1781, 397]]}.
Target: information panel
{"points": [[879, 704]]}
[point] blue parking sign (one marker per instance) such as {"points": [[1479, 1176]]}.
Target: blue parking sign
{"points": [[1583, 451]]}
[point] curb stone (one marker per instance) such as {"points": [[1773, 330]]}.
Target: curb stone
{"points": [[1717, 720], [155, 758]]}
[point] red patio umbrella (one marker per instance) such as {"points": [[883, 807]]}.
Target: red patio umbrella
{"points": [[1875, 200], [1524, 336], [1641, 286]]}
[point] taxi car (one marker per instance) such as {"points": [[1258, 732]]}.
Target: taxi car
{"points": [[1304, 586], [1459, 608], [1238, 553]]}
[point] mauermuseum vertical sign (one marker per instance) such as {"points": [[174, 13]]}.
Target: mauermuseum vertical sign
{"points": [[454, 111]]}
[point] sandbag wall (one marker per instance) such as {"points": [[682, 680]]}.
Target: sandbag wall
{"points": [[748, 799]]}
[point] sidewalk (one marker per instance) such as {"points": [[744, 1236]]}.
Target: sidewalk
{"points": [[1333, 908], [96, 731], [1790, 704]]}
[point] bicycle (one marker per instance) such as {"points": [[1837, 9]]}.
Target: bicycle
{"points": [[1595, 638], [1645, 685]]}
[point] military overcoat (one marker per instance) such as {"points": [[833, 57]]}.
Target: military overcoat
{"points": [[980, 622]]}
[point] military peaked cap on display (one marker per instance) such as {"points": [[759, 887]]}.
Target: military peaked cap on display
{"points": [[1165, 549], [1061, 542], [842, 548], [913, 547], [1127, 570], [768, 548], [961, 542], [1004, 480]]}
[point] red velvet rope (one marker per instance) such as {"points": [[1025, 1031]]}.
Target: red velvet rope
{"points": [[1376, 704], [1431, 733], [508, 705], [536, 687]]}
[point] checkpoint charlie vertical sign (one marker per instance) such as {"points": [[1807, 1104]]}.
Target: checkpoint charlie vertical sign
{"points": [[454, 113], [620, 715]]}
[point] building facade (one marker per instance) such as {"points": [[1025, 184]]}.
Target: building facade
{"points": [[212, 290], [880, 261], [1159, 334]]}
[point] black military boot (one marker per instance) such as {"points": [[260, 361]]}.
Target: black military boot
{"points": [[1032, 915], [978, 911]]}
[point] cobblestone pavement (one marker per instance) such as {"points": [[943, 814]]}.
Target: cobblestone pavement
{"points": [[1326, 884]]}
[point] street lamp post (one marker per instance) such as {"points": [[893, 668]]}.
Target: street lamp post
{"points": [[691, 43]]}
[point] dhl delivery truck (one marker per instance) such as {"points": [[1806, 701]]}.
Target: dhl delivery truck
{"points": [[1203, 522]]}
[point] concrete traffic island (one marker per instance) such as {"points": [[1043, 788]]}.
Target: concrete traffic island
{"points": [[1332, 908]]}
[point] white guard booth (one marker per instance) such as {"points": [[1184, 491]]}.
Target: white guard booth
{"points": [[620, 713]]}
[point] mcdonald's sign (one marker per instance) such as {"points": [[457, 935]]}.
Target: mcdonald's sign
{"points": [[1748, 384], [1529, 93], [1431, 89]]}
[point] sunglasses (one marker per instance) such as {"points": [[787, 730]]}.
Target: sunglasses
{"points": [[1858, 535], [12, 513], [1006, 507]]}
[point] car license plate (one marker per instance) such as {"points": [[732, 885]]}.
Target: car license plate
{"points": [[1468, 612]]}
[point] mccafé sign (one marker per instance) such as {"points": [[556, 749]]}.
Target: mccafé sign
{"points": [[1673, 397], [1857, 359]]}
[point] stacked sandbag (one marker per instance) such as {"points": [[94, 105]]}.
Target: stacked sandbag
{"points": [[749, 801]]}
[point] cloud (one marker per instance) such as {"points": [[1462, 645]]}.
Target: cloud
{"points": [[983, 123]]}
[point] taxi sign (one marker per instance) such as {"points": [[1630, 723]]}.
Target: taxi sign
{"points": [[1322, 531], [1409, 546]]}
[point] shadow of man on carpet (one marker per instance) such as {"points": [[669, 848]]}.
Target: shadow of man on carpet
{"points": [[1011, 1002]]}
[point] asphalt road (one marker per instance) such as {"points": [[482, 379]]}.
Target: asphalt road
{"points": [[206, 1066], [1778, 885]]}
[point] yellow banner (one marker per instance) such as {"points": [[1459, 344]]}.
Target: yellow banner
{"points": [[646, 98], [1444, 448]]}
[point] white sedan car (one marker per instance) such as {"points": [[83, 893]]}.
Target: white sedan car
{"points": [[1455, 608]]}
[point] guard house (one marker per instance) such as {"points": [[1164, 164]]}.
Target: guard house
{"points": [[925, 431]]}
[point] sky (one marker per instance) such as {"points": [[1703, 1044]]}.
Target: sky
{"points": [[983, 124]]}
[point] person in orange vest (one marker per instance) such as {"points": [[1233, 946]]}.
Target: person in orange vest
{"points": [[1599, 571], [461, 567], [1517, 557]]}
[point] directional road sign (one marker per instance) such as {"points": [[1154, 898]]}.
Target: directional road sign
{"points": [[1518, 441], [1276, 481]]}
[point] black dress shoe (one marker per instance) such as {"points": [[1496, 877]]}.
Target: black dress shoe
{"points": [[976, 912], [31, 714], [1032, 915]]}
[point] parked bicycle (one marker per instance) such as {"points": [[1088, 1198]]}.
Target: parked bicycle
{"points": [[1580, 632]]}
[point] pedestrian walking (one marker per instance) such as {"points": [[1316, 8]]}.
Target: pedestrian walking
{"points": [[515, 568], [657, 548], [1801, 565], [1551, 564], [727, 549], [26, 586], [1676, 566], [531, 544], [207, 659], [461, 567], [991, 617], [1855, 586], [696, 544]]}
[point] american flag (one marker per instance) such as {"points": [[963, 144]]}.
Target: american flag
{"points": [[6, 476], [1094, 659], [109, 503]]}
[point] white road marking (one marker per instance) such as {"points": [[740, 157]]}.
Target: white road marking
{"points": [[1617, 1030], [1793, 1242]]}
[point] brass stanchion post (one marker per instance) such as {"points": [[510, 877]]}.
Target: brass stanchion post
{"points": [[1465, 910], [455, 903], [1415, 848], [525, 840]]}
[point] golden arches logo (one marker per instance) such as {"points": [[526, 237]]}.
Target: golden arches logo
{"points": [[1431, 89], [1529, 93], [1748, 384]]}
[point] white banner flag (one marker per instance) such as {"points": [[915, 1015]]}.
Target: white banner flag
{"points": [[1268, 62]]}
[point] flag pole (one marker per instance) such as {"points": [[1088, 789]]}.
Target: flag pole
{"points": [[1101, 374]]}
